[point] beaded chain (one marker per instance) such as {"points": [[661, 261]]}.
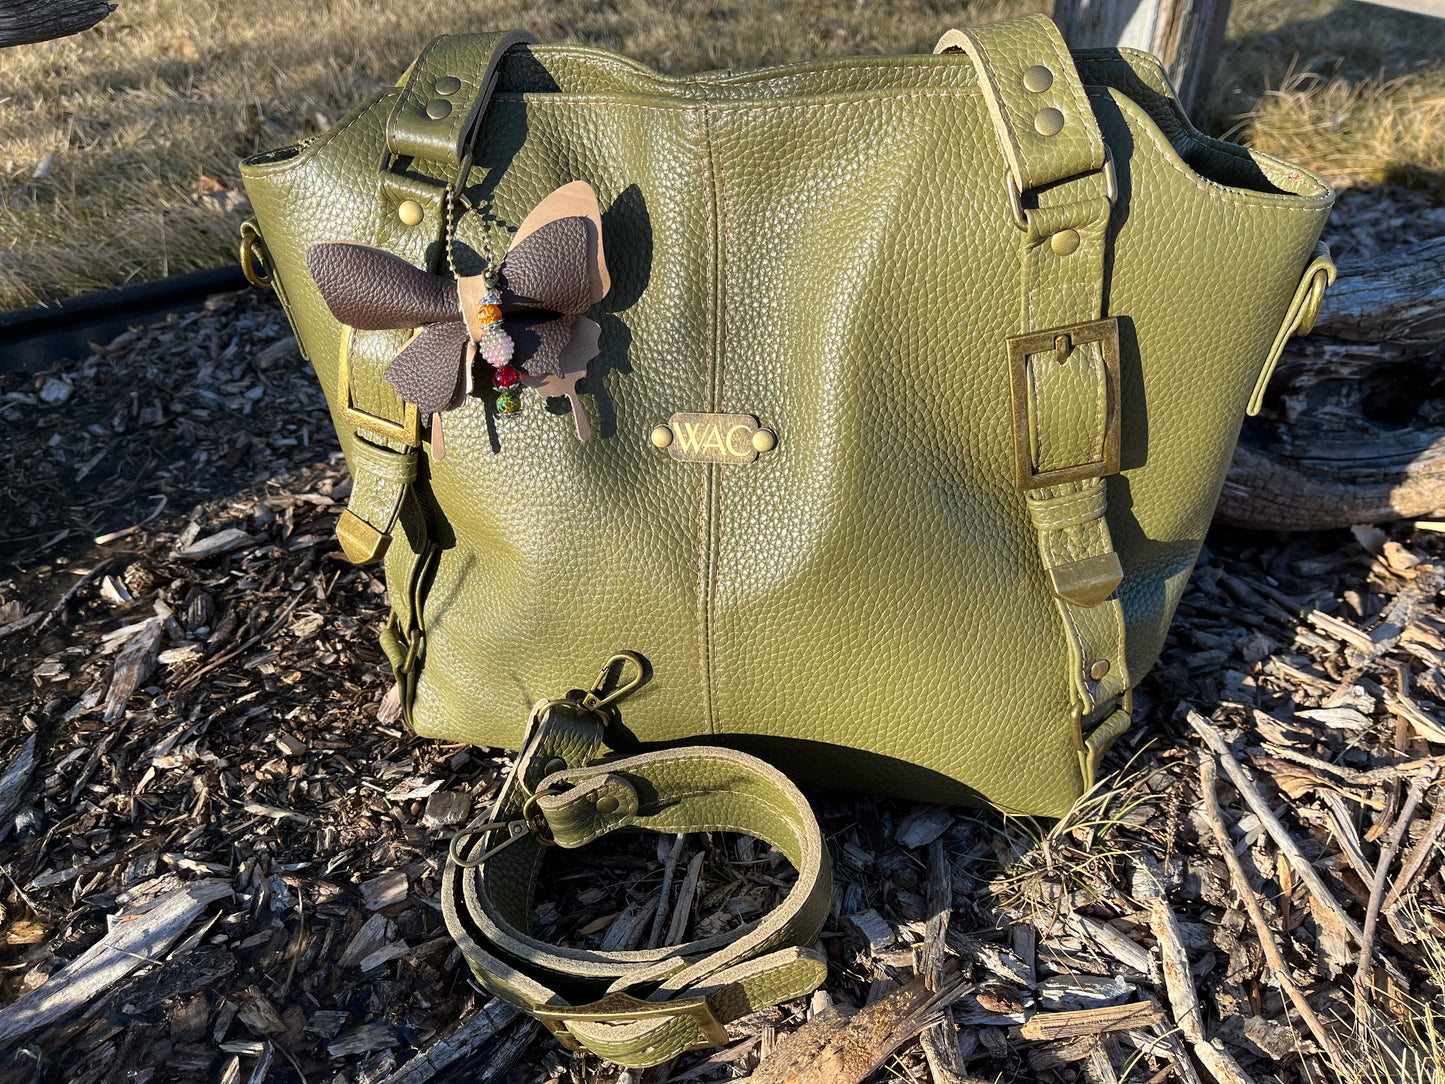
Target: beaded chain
{"points": [[493, 342], [493, 265]]}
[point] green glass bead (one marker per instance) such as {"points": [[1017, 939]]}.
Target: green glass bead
{"points": [[508, 402]]}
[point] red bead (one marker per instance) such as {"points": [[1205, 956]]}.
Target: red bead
{"points": [[506, 377]]}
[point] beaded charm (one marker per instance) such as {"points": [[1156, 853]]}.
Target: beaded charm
{"points": [[496, 347], [494, 344], [507, 381]]}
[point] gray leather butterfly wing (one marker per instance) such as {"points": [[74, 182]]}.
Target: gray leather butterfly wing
{"points": [[546, 285], [373, 290]]}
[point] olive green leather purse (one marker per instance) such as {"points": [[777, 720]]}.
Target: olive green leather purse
{"points": [[910, 391]]}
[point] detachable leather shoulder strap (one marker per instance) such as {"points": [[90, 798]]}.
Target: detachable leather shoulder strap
{"points": [[1064, 361], [644, 1006]]}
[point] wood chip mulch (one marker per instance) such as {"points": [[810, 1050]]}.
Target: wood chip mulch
{"points": [[220, 848]]}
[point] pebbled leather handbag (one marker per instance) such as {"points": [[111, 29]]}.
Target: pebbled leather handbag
{"points": [[862, 418]]}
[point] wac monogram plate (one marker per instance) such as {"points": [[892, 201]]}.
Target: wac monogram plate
{"points": [[733, 439]]}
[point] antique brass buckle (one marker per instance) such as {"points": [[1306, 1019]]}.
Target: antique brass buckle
{"points": [[408, 430], [1061, 342], [620, 1008]]}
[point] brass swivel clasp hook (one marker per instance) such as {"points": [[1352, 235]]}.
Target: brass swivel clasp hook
{"points": [[605, 692], [516, 829], [621, 675]]}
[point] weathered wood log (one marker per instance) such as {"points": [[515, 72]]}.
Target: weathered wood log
{"points": [[139, 937], [1186, 35], [1354, 425], [25, 21]]}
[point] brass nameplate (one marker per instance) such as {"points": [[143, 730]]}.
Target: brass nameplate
{"points": [[716, 438]]}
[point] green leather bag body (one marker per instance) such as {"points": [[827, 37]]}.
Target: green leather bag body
{"points": [[996, 314]]}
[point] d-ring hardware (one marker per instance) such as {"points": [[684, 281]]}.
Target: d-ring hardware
{"points": [[1015, 197]]}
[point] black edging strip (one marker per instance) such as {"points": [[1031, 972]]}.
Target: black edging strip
{"points": [[33, 339]]}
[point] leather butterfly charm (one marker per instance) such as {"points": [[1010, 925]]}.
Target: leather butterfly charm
{"points": [[526, 323]]}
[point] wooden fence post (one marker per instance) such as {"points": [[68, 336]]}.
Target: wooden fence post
{"points": [[1187, 35], [26, 21]]}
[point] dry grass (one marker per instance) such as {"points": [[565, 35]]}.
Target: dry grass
{"points": [[1352, 90], [1405, 1044], [147, 115], [154, 107]]}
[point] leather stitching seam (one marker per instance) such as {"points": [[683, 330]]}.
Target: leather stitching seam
{"points": [[1074, 86], [709, 473], [742, 105], [308, 155]]}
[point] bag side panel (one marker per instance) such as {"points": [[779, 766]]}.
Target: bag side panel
{"points": [[323, 190], [1204, 274]]}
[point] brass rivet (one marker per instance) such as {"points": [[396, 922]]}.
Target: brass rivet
{"points": [[1048, 121], [410, 212], [1038, 79], [607, 804], [1065, 242], [764, 440], [556, 764], [438, 108], [450, 84], [1100, 670], [661, 436]]}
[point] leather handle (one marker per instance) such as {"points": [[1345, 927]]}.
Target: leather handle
{"points": [[1035, 97], [439, 113], [1299, 318]]}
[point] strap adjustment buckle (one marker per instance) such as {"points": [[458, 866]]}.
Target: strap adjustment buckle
{"points": [[407, 431], [1062, 343], [621, 1008]]}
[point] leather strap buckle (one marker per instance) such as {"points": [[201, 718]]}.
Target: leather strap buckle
{"points": [[620, 1008], [1062, 342], [407, 431]]}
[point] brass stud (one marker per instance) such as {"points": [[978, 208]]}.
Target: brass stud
{"points": [[1100, 670], [556, 764], [450, 84], [410, 212], [1038, 79], [661, 436], [764, 440], [608, 803], [1048, 121], [1065, 242], [438, 108]]}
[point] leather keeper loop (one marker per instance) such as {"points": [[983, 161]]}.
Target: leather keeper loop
{"points": [[396, 467], [436, 123], [588, 810], [1071, 510]]}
